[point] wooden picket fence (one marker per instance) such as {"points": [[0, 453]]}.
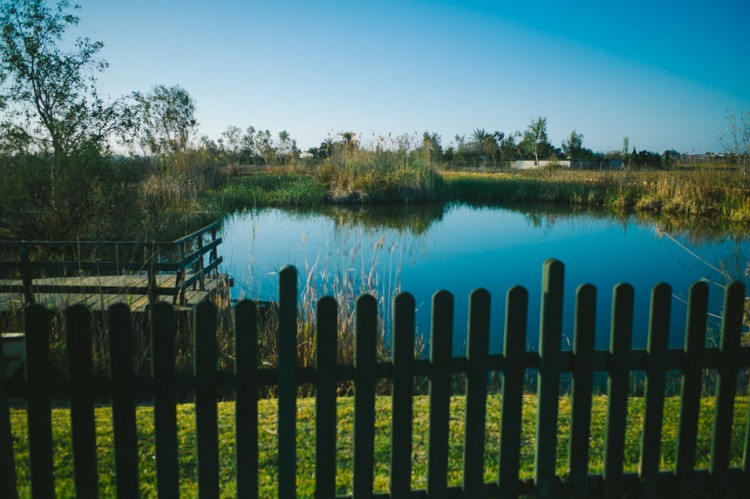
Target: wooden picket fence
{"points": [[123, 387]]}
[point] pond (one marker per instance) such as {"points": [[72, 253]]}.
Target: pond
{"points": [[422, 249]]}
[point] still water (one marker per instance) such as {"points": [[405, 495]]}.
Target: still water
{"points": [[459, 248]]}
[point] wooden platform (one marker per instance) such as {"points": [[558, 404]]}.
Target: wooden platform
{"points": [[84, 290]]}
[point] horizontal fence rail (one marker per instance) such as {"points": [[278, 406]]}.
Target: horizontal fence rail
{"points": [[123, 387], [183, 258]]}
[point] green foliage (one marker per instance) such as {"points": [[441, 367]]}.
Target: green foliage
{"points": [[54, 102], [163, 120]]}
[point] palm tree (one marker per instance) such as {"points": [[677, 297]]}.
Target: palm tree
{"points": [[349, 140]]}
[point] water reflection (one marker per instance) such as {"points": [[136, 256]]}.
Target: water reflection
{"points": [[424, 248]]}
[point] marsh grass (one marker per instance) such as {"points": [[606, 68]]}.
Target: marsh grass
{"points": [[385, 172], [268, 412], [696, 191]]}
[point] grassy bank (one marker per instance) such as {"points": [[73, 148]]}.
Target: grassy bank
{"points": [[697, 192], [700, 192], [306, 446]]}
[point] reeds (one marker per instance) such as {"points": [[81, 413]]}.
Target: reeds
{"points": [[388, 170]]}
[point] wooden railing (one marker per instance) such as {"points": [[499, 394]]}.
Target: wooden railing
{"points": [[183, 258], [162, 385]]}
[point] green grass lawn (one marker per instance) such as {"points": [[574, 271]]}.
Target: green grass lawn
{"points": [[306, 443]]}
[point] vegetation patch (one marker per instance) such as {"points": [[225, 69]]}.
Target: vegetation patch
{"points": [[267, 427]]}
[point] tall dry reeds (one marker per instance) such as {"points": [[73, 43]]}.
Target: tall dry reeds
{"points": [[387, 170]]}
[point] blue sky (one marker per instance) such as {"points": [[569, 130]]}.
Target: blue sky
{"points": [[663, 73]]}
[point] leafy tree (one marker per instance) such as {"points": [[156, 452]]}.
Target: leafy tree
{"points": [[164, 119], [573, 144], [287, 145], [431, 142], [669, 157], [232, 138], [248, 144], [535, 140], [645, 159], [51, 97]]}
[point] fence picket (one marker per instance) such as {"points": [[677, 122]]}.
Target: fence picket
{"points": [[477, 347], [402, 399], [512, 398], [365, 334], [656, 370], [246, 398], [695, 340], [441, 345], [326, 352], [548, 388], [7, 459], [582, 388], [206, 426], [38, 408], [163, 330], [617, 389], [726, 385], [287, 383], [80, 374], [123, 399]]}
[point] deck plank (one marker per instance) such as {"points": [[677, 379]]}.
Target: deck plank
{"points": [[101, 301]]}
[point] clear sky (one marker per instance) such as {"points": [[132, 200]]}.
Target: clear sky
{"points": [[664, 73]]}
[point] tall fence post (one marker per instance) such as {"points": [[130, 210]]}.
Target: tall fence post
{"points": [[326, 351], [441, 346], [365, 335], [726, 385], [692, 372], [287, 383], [80, 373], [514, 351], [402, 392], [123, 400], [656, 373], [477, 349], [39, 408], [548, 389], [246, 398], [617, 389], [582, 388], [7, 459], [163, 329], [206, 379]]}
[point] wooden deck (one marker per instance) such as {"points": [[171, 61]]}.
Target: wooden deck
{"points": [[100, 292]]}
